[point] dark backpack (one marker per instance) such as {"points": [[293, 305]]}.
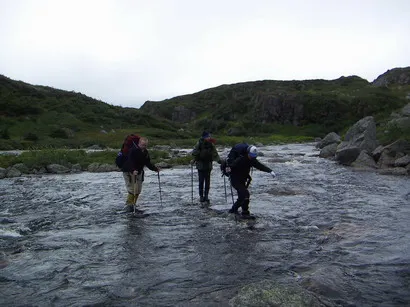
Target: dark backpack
{"points": [[205, 151], [130, 140]]}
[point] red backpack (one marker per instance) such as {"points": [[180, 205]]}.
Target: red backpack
{"points": [[130, 140]]}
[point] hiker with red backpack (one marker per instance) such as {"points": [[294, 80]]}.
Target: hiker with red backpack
{"points": [[134, 158], [204, 153]]}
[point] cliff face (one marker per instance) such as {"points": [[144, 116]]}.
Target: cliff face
{"points": [[395, 76], [284, 109]]}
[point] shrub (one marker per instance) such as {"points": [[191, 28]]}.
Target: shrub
{"points": [[31, 137]]}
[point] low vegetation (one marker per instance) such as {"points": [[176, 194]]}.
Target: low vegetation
{"points": [[58, 126]]}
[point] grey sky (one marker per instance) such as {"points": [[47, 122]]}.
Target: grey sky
{"points": [[126, 52]]}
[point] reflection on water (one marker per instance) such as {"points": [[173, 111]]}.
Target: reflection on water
{"points": [[341, 235]]}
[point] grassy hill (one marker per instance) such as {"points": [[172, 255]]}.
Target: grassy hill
{"points": [[34, 116], [312, 107]]}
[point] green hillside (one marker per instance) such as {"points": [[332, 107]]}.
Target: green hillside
{"points": [[314, 107], [34, 116]]}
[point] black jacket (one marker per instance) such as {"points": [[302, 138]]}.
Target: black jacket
{"points": [[240, 163], [137, 159]]}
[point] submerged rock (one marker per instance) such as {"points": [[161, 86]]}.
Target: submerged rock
{"points": [[267, 293]]}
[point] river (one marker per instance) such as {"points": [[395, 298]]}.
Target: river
{"points": [[338, 235]]}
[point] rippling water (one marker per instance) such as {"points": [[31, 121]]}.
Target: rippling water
{"points": [[339, 234]]}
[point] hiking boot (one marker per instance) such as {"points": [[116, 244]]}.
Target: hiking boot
{"points": [[129, 208], [233, 210], [206, 199], [247, 215], [201, 199]]}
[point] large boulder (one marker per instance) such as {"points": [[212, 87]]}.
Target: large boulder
{"points": [[330, 138], [268, 293], [13, 172], [328, 151], [361, 136], [22, 168], [347, 155], [402, 162], [364, 160], [57, 169], [387, 155]]}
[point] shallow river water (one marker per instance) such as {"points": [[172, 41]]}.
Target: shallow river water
{"points": [[338, 235]]}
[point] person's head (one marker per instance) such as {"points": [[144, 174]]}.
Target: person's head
{"points": [[252, 152], [143, 143], [206, 135]]}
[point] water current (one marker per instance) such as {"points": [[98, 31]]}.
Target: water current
{"points": [[341, 235]]}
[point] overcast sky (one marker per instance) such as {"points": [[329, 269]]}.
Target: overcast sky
{"points": [[125, 52]]}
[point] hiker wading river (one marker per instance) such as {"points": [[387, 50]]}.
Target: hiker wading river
{"points": [[324, 234]]}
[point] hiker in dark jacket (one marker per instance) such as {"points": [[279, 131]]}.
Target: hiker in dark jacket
{"points": [[133, 171], [204, 153], [239, 162]]}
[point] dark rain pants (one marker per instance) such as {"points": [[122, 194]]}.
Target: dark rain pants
{"points": [[204, 177], [243, 195]]}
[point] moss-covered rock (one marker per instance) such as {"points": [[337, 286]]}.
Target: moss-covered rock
{"points": [[267, 293]]}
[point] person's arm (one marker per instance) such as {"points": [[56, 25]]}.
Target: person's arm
{"points": [[148, 163], [215, 155], [260, 166], [195, 152]]}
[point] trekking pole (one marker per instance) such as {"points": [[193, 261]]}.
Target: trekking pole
{"points": [[134, 181], [159, 184], [226, 196], [231, 192], [192, 184]]}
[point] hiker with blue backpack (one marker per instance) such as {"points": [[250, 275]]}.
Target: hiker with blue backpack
{"points": [[204, 154], [238, 165], [132, 159]]}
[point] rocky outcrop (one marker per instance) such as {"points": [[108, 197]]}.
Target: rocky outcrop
{"points": [[331, 138], [364, 160], [395, 76], [328, 145], [359, 149], [287, 109], [361, 136], [12, 172], [182, 114], [400, 119], [328, 151], [392, 155]]}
